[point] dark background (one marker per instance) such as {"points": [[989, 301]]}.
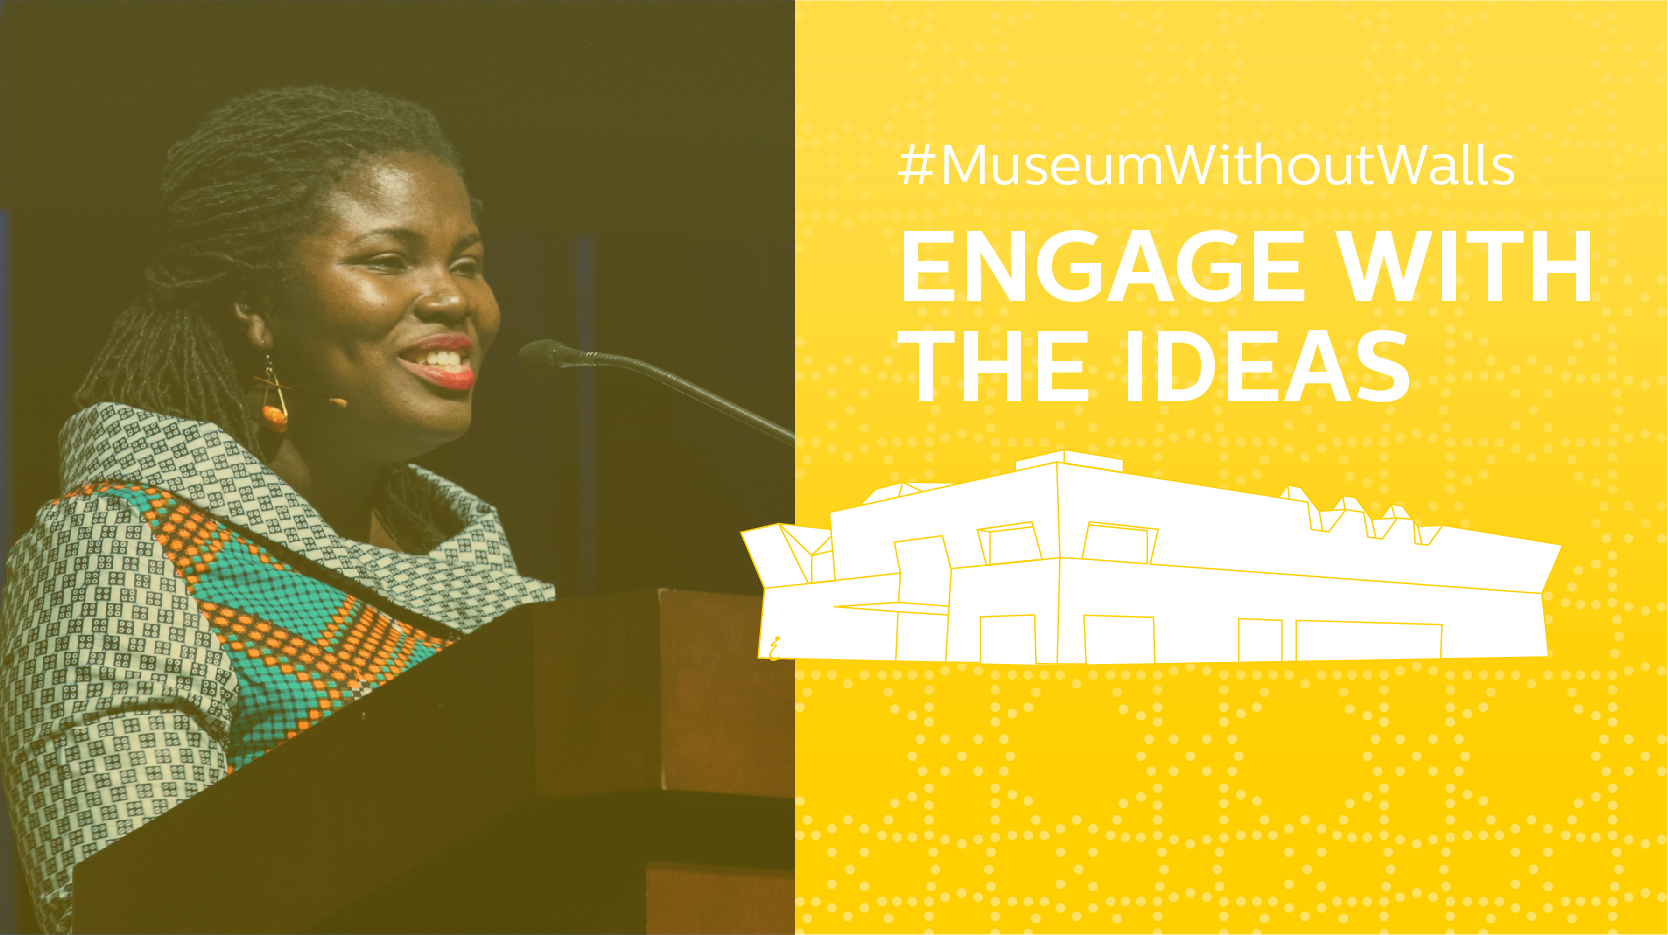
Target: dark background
{"points": [[636, 166]]}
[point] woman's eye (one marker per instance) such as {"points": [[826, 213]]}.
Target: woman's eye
{"points": [[387, 261], [467, 266]]}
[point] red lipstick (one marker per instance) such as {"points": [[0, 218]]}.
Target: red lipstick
{"points": [[442, 360]]}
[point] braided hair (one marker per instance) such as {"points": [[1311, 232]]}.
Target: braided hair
{"points": [[237, 194]]}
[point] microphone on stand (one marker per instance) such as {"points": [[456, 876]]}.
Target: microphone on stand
{"points": [[547, 356]]}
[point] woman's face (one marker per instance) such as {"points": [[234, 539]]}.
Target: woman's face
{"points": [[388, 309]]}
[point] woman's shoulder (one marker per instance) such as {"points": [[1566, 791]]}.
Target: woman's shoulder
{"points": [[101, 503], [103, 519], [105, 526], [85, 507]]}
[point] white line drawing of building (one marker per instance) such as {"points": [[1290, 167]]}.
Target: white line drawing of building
{"points": [[1069, 560]]}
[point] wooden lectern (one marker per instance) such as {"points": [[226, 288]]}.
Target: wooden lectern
{"points": [[605, 764]]}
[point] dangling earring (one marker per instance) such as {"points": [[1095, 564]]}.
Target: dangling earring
{"points": [[277, 418]]}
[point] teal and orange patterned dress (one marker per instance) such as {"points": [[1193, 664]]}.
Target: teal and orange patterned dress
{"points": [[181, 611]]}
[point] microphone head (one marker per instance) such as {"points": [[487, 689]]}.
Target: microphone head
{"points": [[546, 356]]}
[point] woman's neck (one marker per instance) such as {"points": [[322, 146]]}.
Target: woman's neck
{"points": [[339, 489]]}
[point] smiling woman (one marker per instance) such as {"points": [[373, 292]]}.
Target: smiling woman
{"points": [[387, 309], [212, 581]]}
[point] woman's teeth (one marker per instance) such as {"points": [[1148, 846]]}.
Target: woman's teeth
{"points": [[448, 361]]}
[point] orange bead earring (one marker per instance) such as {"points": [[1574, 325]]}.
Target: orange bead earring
{"points": [[277, 418]]}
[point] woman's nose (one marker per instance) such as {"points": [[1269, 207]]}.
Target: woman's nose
{"points": [[443, 304]]}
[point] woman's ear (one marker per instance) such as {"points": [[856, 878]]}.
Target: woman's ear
{"points": [[254, 319]]}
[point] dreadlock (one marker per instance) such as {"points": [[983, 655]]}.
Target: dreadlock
{"points": [[237, 194]]}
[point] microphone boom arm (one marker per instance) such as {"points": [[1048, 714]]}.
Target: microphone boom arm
{"points": [[543, 354]]}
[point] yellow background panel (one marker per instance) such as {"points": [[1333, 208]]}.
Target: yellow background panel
{"points": [[1503, 794]]}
